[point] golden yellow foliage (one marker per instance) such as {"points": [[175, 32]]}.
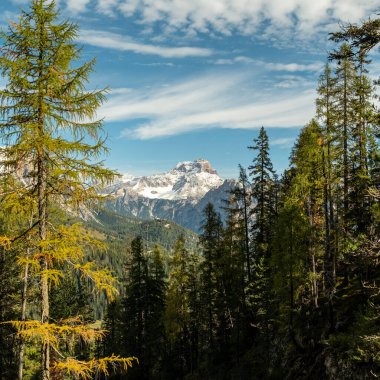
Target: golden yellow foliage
{"points": [[5, 242], [52, 275], [22, 261], [53, 333], [102, 278], [115, 361], [86, 370], [65, 331], [72, 367], [68, 244]]}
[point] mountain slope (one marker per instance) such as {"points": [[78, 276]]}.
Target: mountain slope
{"points": [[179, 195], [117, 232]]}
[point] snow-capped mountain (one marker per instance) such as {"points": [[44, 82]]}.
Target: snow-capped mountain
{"points": [[179, 195], [189, 180]]}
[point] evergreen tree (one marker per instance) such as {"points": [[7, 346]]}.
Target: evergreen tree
{"points": [[345, 77], [261, 171], [234, 273], [210, 239], [327, 114], [181, 313], [113, 324], [239, 218], [362, 135], [143, 306], [362, 38], [135, 305], [297, 260], [156, 293], [289, 264], [9, 310], [307, 192]]}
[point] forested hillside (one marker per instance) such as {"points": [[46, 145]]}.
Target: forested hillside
{"points": [[287, 288], [117, 232]]}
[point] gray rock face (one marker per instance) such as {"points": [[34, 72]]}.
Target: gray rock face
{"points": [[179, 195]]}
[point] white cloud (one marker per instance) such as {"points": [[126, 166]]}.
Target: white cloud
{"points": [[211, 101], [293, 82], [6, 16], [290, 67], [293, 67], [283, 142], [77, 6], [277, 17], [116, 41], [18, 2], [107, 7]]}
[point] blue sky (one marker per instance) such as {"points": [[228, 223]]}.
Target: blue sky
{"points": [[196, 78]]}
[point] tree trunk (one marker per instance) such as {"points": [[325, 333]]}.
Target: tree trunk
{"points": [[314, 282], [246, 233], [291, 295], [328, 264], [44, 265], [23, 318], [42, 195], [328, 209]]}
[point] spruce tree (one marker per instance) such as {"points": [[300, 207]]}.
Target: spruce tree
{"points": [[113, 323], [233, 273], [143, 309], [327, 116], [307, 193], [156, 294], [289, 263], [261, 172], [345, 75], [181, 312], [135, 305], [210, 239], [362, 38], [362, 135], [243, 198]]}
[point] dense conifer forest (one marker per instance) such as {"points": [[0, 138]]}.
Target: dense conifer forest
{"points": [[287, 288]]}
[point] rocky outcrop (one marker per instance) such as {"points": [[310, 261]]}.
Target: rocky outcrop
{"points": [[179, 195]]}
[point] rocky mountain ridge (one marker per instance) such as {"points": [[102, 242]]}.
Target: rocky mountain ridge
{"points": [[179, 195]]}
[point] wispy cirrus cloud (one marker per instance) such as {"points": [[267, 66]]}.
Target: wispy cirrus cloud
{"points": [[211, 101], [283, 142], [272, 17], [17, 2], [115, 41], [292, 67], [273, 66]]}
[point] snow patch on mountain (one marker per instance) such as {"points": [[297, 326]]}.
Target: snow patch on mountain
{"points": [[189, 180], [179, 194]]}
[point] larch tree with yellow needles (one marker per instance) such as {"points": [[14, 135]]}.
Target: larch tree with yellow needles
{"points": [[49, 132]]}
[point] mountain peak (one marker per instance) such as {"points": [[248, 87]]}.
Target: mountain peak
{"points": [[179, 194], [196, 166], [189, 180]]}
